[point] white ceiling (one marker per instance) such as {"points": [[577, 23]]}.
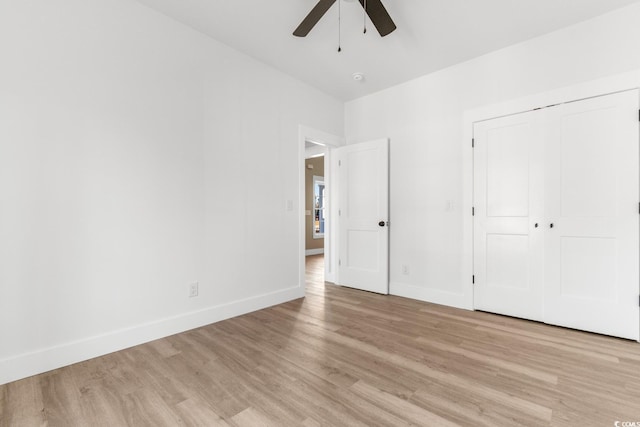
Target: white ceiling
{"points": [[431, 34]]}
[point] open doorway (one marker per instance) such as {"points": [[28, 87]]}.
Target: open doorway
{"points": [[315, 212], [315, 144]]}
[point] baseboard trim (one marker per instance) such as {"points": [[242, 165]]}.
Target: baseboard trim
{"points": [[431, 295], [44, 360], [314, 251]]}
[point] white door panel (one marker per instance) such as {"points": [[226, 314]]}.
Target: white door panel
{"points": [[363, 194], [507, 175], [592, 192], [507, 264], [589, 266], [508, 200], [587, 188]]}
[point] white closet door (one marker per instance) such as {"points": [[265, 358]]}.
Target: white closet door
{"points": [[592, 226], [508, 202]]}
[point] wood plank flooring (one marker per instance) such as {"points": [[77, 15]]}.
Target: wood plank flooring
{"points": [[342, 357]]}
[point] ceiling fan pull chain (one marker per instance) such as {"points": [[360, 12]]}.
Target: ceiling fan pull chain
{"points": [[339, 26], [364, 17]]}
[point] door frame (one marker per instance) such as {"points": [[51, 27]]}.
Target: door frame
{"points": [[330, 251], [605, 86]]}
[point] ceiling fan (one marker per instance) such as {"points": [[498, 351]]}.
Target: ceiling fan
{"points": [[374, 8]]}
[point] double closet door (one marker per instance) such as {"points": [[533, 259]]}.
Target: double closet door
{"points": [[557, 225]]}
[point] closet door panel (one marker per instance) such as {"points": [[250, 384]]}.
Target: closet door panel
{"points": [[507, 158], [587, 165], [588, 267], [508, 203], [592, 247]]}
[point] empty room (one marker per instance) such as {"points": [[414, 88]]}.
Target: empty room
{"points": [[319, 213]]}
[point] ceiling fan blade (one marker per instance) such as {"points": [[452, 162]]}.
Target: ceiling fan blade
{"points": [[379, 16], [313, 17]]}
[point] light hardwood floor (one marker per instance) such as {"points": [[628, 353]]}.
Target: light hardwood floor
{"points": [[345, 357]]}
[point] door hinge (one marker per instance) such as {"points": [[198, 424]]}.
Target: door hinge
{"points": [[339, 212], [339, 262], [473, 279], [339, 162], [473, 211], [473, 142]]}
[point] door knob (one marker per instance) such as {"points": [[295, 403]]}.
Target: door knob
{"points": [[536, 225], [551, 225], [382, 223]]}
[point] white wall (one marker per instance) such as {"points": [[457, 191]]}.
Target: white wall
{"points": [[132, 163], [425, 120]]}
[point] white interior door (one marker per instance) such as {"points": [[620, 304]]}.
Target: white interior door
{"points": [[508, 205], [592, 233], [363, 215]]}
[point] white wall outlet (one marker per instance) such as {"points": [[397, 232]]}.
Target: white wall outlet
{"points": [[405, 270], [193, 290]]}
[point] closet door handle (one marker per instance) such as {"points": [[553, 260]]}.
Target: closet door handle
{"points": [[551, 225], [536, 225]]}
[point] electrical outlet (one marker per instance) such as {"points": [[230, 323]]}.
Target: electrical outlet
{"points": [[193, 290], [405, 270]]}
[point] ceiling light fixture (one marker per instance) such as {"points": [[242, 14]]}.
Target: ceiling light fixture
{"points": [[358, 77]]}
